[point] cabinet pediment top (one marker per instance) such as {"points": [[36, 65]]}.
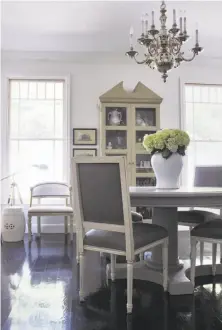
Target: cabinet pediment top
{"points": [[140, 94]]}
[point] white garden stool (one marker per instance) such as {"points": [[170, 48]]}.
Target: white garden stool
{"points": [[13, 224]]}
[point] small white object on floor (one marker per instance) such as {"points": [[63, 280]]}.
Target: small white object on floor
{"points": [[13, 224]]}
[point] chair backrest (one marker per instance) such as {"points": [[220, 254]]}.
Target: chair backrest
{"points": [[208, 176], [50, 189], [102, 195]]}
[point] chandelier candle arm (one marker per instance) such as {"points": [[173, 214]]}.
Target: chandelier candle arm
{"points": [[188, 59], [140, 62]]}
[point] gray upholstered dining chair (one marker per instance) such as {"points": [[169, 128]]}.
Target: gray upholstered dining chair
{"points": [[52, 190], [210, 232], [104, 219], [205, 176], [136, 218]]}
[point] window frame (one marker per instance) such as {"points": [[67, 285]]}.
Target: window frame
{"points": [[182, 115], [5, 126]]}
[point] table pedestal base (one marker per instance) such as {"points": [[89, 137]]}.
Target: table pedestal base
{"points": [[158, 267], [179, 283]]}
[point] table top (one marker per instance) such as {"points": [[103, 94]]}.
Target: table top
{"points": [[181, 192], [182, 197]]}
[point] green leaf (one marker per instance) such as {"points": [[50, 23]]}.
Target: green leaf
{"points": [[181, 150], [166, 153]]}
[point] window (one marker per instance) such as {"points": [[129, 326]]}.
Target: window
{"points": [[38, 144], [203, 122]]}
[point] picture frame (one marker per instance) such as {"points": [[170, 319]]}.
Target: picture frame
{"points": [[84, 136], [84, 152]]}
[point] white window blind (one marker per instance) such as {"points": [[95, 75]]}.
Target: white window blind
{"points": [[203, 122], [38, 144]]}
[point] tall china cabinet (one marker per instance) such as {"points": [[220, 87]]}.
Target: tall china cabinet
{"points": [[125, 117]]}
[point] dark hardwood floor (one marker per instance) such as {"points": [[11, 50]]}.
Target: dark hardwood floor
{"points": [[38, 291]]}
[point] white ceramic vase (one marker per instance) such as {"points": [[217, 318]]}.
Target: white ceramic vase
{"points": [[167, 171]]}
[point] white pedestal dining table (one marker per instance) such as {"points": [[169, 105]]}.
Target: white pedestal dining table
{"points": [[165, 204]]}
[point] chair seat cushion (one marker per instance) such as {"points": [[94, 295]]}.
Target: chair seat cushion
{"points": [[195, 216], [136, 217], [211, 229], [47, 209], [144, 234]]}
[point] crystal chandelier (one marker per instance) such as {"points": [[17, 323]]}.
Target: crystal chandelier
{"points": [[163, 47]]}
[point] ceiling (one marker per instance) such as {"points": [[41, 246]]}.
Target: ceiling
{"points": [[99, 26]]}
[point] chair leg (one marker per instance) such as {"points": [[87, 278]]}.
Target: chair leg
{"points": [[113, 267], [113, 306], [221, 253], [193, 259], [165, 265], [107, 274], [142, 256], [39, 226], [214, 256], [190, 228], [201, 252], [81, 276], [129, 305], [66, 225], [30, 228], [77, 248], [71, 221]]}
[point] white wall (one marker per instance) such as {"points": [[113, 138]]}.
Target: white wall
{"points": [[89, 81]]}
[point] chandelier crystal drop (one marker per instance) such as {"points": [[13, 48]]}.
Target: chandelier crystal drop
{"points": [[163, 47]]}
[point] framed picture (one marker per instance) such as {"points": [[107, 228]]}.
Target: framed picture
{"points": [[84, 136], [84, 152]]}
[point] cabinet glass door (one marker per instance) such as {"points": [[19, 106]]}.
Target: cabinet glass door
{"points": [[116, 123], [145, 181], [146, 121], [142, 159], [116, 140], [116, 116], [145, 117]]}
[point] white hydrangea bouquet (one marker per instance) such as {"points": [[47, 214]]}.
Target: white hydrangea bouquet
{"points": [[166, 142]]}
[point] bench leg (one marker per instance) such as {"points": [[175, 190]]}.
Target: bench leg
{"points": [[30, 228], [39, 226]]}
